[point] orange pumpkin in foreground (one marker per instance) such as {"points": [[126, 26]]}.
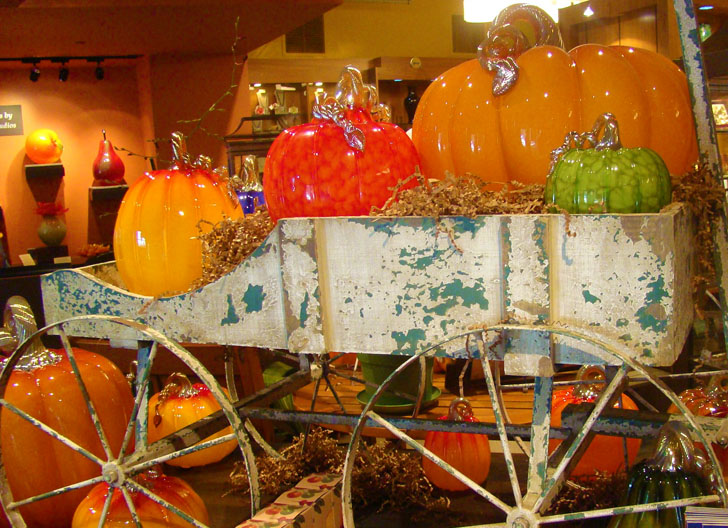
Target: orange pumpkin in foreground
{"points": [[179, 404], [461, 127], [151, 515], [469, 453], [605, 453], [46, 388]]}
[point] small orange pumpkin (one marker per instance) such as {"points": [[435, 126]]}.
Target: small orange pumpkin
{"points": [[151, 514], [45, 387], [469, 453], [605, 453], [179, 404]]}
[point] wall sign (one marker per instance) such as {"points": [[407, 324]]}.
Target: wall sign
{"points": [[11, 120]]}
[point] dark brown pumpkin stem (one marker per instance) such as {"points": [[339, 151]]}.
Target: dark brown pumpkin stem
{"points": [[460, 409]]}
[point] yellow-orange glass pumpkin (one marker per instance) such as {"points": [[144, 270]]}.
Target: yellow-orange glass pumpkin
{"points": [[174, 490], [44, 386], [469, 453], [460, 126], [709, 401], [605, 453], [179, 404], [163, 213]]}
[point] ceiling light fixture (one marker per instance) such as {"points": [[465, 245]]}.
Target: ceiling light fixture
{"points": [[487, 10], [706, 7], [588, 11], [99, 71], [34, 72], [63, 72]]}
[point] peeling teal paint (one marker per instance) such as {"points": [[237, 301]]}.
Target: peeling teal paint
{"points": [[408, 343], [467, 225], [622, 322], [427, 319], [588, 297], [456, 293], [232, 317], [646, 352], [564, 257], [253, 298], [303, 314], [348, 300], [656, 293], [626, 337]]}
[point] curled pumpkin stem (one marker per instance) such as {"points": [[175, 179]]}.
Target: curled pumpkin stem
{"points": [[177, 385]]}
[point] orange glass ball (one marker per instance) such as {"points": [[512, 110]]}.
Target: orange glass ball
{"points": [[43, 146], [461, 127]]}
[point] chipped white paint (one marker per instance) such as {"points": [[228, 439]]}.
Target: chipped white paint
{"points": [[243, 307], [397, 285]]}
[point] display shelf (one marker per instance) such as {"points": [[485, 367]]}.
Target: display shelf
{"points": [[107, 193], [44, 170]]}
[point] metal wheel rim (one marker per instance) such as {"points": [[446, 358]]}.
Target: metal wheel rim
{"points": [[605, 346], [233, 418]]}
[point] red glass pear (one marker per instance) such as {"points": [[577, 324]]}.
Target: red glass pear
{"points": [[108, 167]]}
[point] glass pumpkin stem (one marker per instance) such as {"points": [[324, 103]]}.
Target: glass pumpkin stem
{"points": [[180, 156], [460, 410], [606, 124], [177, 385], [588, 391], [516, 28]]}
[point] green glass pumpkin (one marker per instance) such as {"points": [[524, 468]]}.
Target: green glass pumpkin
{"points": [[606, 178]]}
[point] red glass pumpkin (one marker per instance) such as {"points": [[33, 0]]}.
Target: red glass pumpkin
{"points": [[342, 163], [605, 453], [156, 236], [45, 387], [151, 515], [179, 404], [469, 453], [709, 401]]}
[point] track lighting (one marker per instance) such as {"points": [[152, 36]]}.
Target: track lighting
{"points": [[34, 72], [99, 71], [63, 73]]}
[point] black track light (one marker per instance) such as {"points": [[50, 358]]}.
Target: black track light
{"points": [[34, 72], [63, 73], [99, 71]]}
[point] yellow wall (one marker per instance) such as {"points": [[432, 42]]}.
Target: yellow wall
{"points": [[362, 29]]}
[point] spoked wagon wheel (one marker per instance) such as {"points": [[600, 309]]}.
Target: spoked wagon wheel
{"points": [[119, 457], [533, 346]]}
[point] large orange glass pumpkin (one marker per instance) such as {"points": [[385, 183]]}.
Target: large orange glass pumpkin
{"points": [[163, 213], [342, 163], [467, 452], [179, 404], [151, 514], [460, 126], [709, 401], [605, 453], [45, 387], [43, 146]]}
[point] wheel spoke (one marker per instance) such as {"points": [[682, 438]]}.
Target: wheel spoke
{"points": [[52, 432], [230, 373], [84, 391], [106, 507], [414, 444], [421, 382], [496, 399], [540, 425], [142, 388], [576, 447], [130, 505], [55, 492], [135, 486], [138, 468], [620, 510], [253, 432]]}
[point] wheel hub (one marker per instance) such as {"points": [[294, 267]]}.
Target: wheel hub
{"points": [[521, 518], [113, 474]]}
